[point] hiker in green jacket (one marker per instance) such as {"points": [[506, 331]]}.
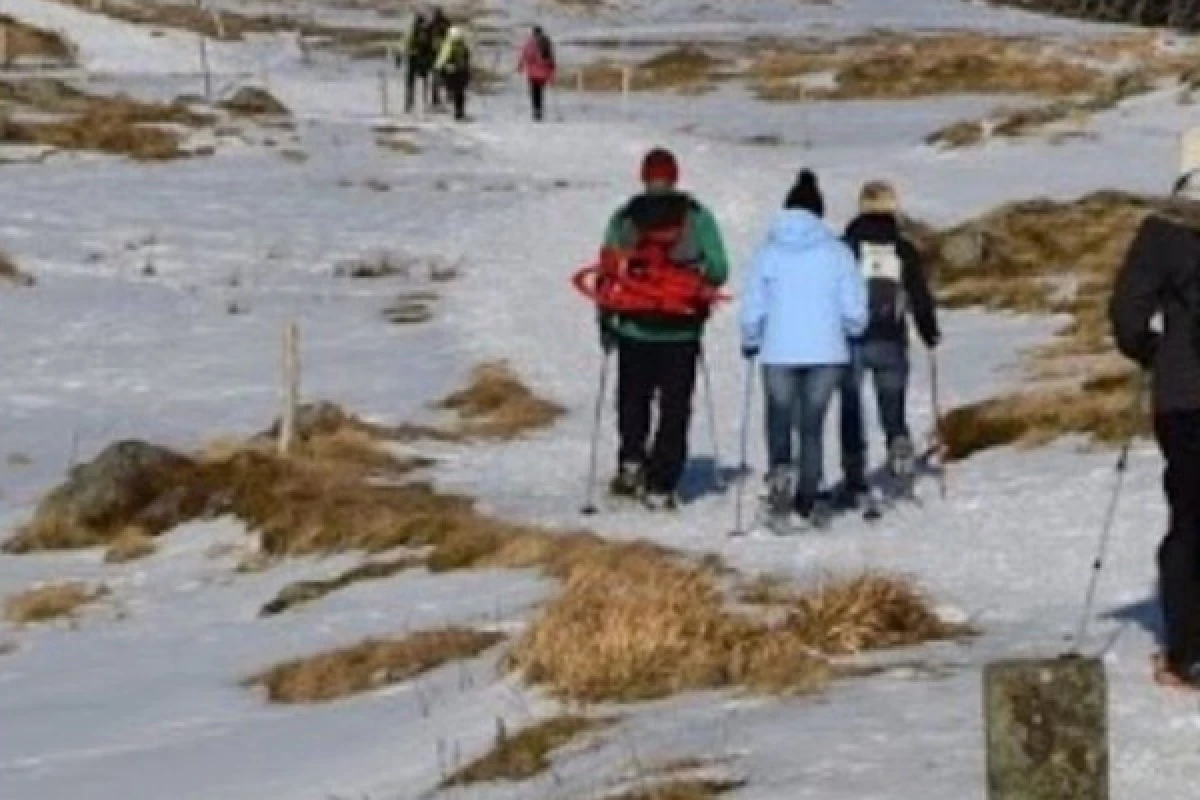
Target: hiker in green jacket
{"points": [[658, 349]]}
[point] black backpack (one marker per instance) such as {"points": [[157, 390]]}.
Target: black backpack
{"points": [[546, 49]]}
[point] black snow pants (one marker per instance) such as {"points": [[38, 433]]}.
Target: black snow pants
{"points": [[537, 96], [1178, 435], [650, 371]]}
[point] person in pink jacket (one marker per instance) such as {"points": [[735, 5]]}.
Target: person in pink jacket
{"points": [[537, 64]]}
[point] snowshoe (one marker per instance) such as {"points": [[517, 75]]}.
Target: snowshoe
{"points": [[660, 501], [627, 483], [848, 497]]}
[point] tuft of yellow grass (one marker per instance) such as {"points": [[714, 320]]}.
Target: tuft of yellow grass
{"points": [[497, 405], [369, 665], [684, 790], [50, 602], [304, 592], [526, 753], [24, 41], [130, 544], [656, 626]]}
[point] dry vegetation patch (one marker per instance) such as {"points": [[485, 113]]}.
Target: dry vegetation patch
{"points": [[648, 627], [46, 603], [27, 42], [304, 592], [520, 756], [684, 790], [369, 665], [11, 274], [1044, 256], [497, 405], [130, 545], [48, 113]]}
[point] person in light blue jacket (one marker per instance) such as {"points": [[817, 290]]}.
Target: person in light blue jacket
{"points": [[803, 298]]}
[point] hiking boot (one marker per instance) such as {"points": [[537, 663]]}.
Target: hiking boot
{"points": [[848, 496], [779, 491], [901, 457], [660, 501], [628, 480], [813, 512]]}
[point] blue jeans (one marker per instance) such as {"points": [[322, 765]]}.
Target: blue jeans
{"points": [[797, 401], [888, 364]]}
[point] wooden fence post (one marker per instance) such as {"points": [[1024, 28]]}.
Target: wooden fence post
{"points": [[3, 47], [291, 387], [385, 103], [1047, 729]]}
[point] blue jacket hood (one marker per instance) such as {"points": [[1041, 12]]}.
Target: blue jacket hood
{"points": [[798, 228]]}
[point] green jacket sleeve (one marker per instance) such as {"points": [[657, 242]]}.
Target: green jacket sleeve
{"points": [[712, 247], [618, 234]]}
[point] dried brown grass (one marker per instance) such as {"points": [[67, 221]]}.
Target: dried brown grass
{"points": [[526, 753], [1045, 256], [130, 544], [684, 790], [497, 405], [11, 274], [650, 627], [303, 592], [369, 665], [116, 125], [25, 41], [46, 603], [903, 66]]}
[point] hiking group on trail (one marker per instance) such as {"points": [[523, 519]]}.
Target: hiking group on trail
{"points": [[436, 56], [818, 312]]}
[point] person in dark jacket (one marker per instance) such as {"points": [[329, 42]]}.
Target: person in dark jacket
{"points": [[1160, 279], [439, 28], [657, 354], [896, 290], [420, 54]]}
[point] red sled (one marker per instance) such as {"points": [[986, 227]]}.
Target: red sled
{"points": [[633, 286]]}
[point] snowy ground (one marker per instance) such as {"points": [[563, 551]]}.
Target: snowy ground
{"points": [[145, 703]]}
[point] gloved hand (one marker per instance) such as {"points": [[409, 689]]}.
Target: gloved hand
{"points": [[1148, 351], [932, 343], [749, 352], [608, 339]]}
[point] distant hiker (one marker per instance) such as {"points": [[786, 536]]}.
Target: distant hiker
{"points": [[1161, 275], [803, 297], [439, 29], [420, 55], [662, 231], [896, 290], [454, 67], [538, 65]]}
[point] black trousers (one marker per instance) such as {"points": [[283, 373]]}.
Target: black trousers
{"points": [[456, 85], [537, 96], [662, 374], [1178, 435]]}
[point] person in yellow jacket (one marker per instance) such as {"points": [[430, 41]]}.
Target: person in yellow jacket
{"points": [[454, 66]]}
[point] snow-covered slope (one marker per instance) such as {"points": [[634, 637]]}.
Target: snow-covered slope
{"points": [[146, 704]]}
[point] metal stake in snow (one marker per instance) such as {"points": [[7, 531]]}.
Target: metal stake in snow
{"points": [[291, 387], [3, 47], [626, 88], [385, 105]]}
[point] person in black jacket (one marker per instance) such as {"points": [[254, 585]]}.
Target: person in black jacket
{"points": [[896, 290], [1161, 279], [420, 53]]}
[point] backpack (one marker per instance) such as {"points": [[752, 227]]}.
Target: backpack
{"points": [[460, 58], [883, 269], [546, 50], [421, 46]]}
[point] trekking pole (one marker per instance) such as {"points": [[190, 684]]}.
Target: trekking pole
{"points": [[744, 459], [589, 502], [718, 482], [1110, 514], [939, 444]]}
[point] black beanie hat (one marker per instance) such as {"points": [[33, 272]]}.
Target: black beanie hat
{"points": [[805, 194]]}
